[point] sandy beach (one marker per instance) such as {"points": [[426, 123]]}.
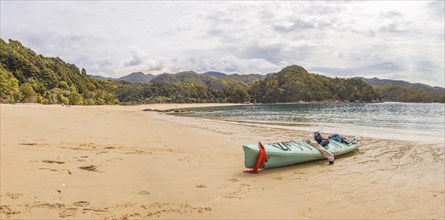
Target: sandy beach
{"points": [[119, 162]]}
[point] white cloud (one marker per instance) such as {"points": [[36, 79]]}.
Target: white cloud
{"points": [[388, 39]]}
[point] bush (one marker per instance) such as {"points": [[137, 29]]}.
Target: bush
{"points": [[75, 98], [64, 100]]}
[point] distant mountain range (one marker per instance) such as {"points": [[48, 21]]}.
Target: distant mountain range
{"points": [[136, 77], [306, 86], [379, 82]]}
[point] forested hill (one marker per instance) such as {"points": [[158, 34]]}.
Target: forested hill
{"points": [[26, 76], [248, 79], [183, 87], [294, 83], [210, 82], [188, 86], [402, 91]]}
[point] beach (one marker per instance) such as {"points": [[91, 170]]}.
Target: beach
{"points": [[120, 162]]}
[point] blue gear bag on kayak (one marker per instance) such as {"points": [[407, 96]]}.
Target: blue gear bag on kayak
{"points": [[336, 137]]}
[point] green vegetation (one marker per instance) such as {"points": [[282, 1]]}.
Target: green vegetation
{"points": [[294, 83], [9, 86], [177, 92], [28, 77], [401, 91], [410, 93], [247, 79], [183, 87], [209, 81]]}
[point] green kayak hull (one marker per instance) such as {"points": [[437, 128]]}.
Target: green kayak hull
{"points": [[293, 152]]}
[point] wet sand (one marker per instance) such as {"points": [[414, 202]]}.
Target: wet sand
{"points": [[119, 162]]}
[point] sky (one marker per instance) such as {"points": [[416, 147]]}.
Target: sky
{"points": [[401, 40]]}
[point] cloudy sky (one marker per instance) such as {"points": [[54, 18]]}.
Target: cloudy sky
{"points": [[395, 40]]}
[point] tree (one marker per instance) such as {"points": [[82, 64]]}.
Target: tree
{"points": [[75, 98], [237, 94], [9, 86], [63, 85], [28, 93]]}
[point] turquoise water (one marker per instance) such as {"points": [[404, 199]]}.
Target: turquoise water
{"points": [[405, 121]]}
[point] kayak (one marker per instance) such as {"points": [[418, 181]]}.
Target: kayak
{"points": [[293, 152]]}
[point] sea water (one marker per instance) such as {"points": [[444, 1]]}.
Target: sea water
{"points": [[423, 122]]}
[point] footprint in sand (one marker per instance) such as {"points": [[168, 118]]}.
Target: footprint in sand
{"points": [[81, 204], [49, 205], [53, 161], [201, 186], [89, 168], [158, 210], [245, 185], [233, 195], [41, 168], [8, 211], [63, 210], [68, 212], [278, 178], [233, 179], [102, 152], [143, 193], [14, 196], [185, 159], [29, 144]]}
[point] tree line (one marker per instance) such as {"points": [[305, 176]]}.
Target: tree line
{"points": [[26, 76]]}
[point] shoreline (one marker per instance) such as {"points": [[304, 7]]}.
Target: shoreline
{"points": [[328, 128], [121, 162]]}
